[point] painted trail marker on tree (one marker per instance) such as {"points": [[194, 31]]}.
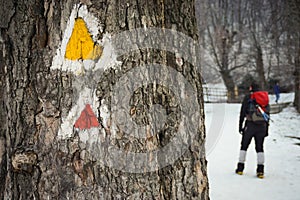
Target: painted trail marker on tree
{"points": [[81, 44], [87, 119], [86, 52], [84, 46], [78, 53]]}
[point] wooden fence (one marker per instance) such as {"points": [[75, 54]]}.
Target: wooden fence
{"points": [[220, 95], [214, 95]]}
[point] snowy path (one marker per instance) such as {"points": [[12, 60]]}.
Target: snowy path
{"points": [[282, 166]]}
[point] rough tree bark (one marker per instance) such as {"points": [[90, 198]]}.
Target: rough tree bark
{"points": [[37, 164]]}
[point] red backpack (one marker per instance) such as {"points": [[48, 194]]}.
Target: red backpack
{"points": [[261, 98]]}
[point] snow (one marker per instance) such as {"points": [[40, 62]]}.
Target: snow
{"points": [[282, 158]]}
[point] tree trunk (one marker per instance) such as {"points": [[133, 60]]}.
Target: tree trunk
{"points": [[260, 68], [225, 72], [63, 88], [297, 81], [229, 83]]}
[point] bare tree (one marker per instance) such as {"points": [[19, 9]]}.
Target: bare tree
{"points": [[257, 38], [247, 37], [291, 25], [60, 63], [225, 40]]}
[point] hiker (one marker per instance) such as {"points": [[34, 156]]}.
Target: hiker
{"points": [[277, 91], [255, 127]]}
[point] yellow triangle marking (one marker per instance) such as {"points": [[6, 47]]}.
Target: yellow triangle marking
{"points": [[81, 44]]}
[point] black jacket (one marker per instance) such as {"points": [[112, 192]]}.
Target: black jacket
{"points": [[243, 111]]}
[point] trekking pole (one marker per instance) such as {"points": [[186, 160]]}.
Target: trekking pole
{"points": [[265, 115]]}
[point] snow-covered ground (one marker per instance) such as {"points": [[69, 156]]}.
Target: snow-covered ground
{"points": [[282, 156]]}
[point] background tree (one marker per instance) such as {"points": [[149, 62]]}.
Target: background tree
{"points": [[257, 37], [35, 163], [242, 37], [221, 37], [292, 41]]}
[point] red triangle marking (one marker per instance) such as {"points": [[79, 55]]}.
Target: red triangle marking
{"points": [[87, 119]]}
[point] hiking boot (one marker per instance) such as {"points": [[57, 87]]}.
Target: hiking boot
{"points": [[260, 175], [240, 168], [260, 171]]}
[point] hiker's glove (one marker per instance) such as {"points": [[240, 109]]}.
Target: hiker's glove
{"points": [[242, 131], [267, 130]]}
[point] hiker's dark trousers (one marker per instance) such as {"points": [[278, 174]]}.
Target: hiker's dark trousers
{"points": [[258, 131]]}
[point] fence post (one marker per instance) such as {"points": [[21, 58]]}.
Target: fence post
{"points": [[236, 92]]}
